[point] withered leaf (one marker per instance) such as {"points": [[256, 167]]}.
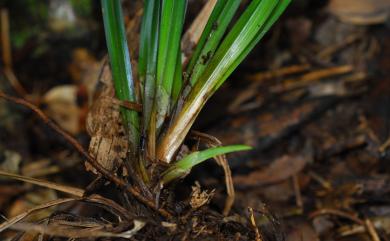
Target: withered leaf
{"points": [[279, 170], [109, 143]]}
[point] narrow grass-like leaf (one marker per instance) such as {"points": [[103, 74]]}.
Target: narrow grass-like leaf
{"points": [[183, 167], [205, 34], [172, 20], [120, 64], [247, 31], [145, 38], [278, 10], [177, 80], [211, 37], [148, 56]]}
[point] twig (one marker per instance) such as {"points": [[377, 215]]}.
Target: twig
{"points": [[129, 105], [15, 83], [324, 183], [277, 73], [43, 183], [7, 54], [371, 230], [111, 177], [297, 191], [330, 211], [5, 40], [306, 79], [326, 53]]}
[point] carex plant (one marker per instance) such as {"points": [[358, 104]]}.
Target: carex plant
{"points": [[172, 93]]}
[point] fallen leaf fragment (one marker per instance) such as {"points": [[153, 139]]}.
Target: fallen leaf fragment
{"points": [[109, 143], [361, 12], [61, 102], [279, 170]]}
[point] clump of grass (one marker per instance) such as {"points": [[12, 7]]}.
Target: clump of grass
{"points": [[172, 94]]}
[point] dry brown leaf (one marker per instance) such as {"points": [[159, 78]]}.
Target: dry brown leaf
{"points": [[192, 35], [109, 144], [84, 68], [61, 102], [302, 232], [361, 11], [279, 170]]}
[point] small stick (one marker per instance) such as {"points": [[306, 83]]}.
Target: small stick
{"points": [[70, 139], [43, 183], [5, 40], [306, 79], [324, 183], [15, 83], [7, 54], [330, 211], [371, 230], [297, 191], [329, 51], [129, 105], [277, 73], [384, 146]]}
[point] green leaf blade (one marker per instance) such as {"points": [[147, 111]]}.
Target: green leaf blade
{"points": [[177, 80], [184, 166], [172, 21], [277, 11], [148, 57], [120, 65], [248, 30], [211, 36]]}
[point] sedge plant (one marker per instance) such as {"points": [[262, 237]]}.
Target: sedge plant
{"points": [[172, 93]]}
